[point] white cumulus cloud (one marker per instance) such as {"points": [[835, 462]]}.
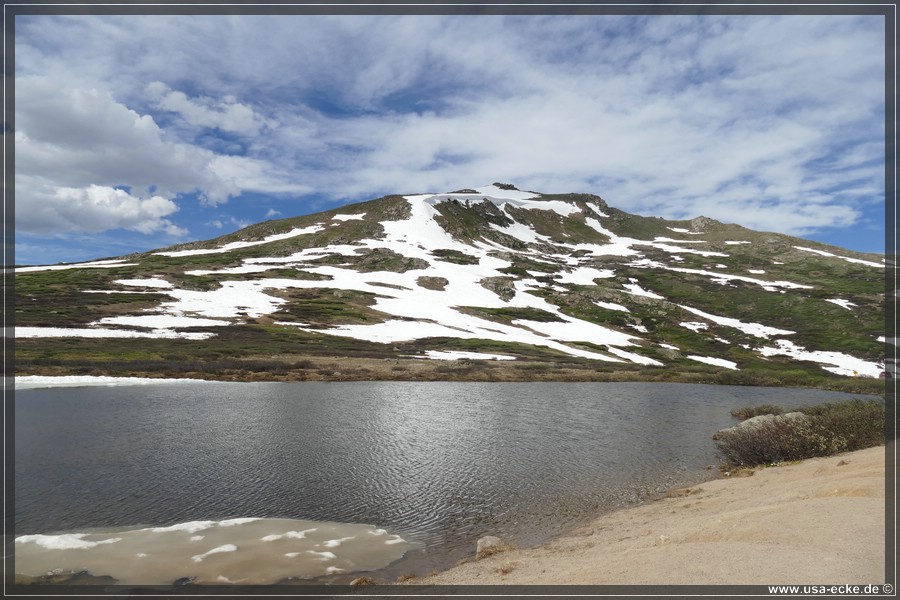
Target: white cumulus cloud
{"points": [[78, 150], [95, 208]]}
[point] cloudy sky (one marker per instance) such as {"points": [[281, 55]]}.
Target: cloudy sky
{"points": [[136, 132]]}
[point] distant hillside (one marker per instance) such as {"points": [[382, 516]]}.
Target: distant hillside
{"points": [[485, 283]]}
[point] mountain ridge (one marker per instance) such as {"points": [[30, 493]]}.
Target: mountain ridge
{"points": [[489, 274], [696, 224]]}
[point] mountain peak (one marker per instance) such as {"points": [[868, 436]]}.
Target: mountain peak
{"points": [[702, 223]]}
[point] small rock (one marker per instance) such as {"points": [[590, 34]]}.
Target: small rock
{"points": [[843, 462], [487, 545], [760, 421]]}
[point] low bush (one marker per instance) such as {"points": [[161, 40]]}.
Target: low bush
{"points": [[860, 423], [827, 429], [748, 412]]}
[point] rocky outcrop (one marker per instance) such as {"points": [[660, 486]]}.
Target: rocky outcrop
{"points": [[761, 421]]}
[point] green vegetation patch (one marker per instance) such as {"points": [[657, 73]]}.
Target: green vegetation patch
{"points": [[521, 265], [825, 325], [73, 308], [508, 315], [274, 273], [433, 283], [326, 307], [470, 220], [638, 227], [387, 208], [565, 230], [455, 256], [60, 298], [267, 346], [483, 346], [376, 259]]}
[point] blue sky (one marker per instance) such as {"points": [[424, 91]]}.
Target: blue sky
{"points": [[136, 132]]}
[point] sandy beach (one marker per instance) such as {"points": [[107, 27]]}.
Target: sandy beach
{"points": [[820, 521]]}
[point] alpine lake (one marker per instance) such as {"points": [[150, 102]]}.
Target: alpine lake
{"points": [[316, 482]]}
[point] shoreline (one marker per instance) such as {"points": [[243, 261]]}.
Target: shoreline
{"points": [[56, 380], [817, 521], [820, 520]]}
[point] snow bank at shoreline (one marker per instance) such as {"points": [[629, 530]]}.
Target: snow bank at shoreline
{"points": [[31, 382]]}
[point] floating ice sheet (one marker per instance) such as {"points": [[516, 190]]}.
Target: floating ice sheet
{"points": [[249, 551]]}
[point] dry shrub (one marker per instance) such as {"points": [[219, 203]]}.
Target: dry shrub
{"points": [[831, 428], [859, 423]]}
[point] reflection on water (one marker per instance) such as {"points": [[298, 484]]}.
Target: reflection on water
{"points": [[444, 463]]}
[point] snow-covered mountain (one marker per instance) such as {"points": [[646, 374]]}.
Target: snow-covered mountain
{"points": [[533, 281]]}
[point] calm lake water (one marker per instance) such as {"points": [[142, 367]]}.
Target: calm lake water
{"points": [[441, 464]]}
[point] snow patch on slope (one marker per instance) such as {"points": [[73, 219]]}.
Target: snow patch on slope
{"points": [[151, 282], [754, 329], [97, 264], [718, 362], [584, 275], [458, 355], [636, 290], [718, 277], [842, 303], [847, 258], [236, 245], [611, 306], [683, 230], [836, 362], [39, 332]]}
